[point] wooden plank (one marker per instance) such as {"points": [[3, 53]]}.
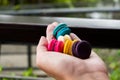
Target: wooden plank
{"points": [[20, 29]]}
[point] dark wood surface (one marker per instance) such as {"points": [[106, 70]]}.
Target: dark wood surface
{"points": [[23, 29]]}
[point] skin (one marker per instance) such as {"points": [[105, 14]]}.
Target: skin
{"points": [[66, 67]]}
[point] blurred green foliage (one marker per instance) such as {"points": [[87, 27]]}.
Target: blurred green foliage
{"points": [[4, 2], [112, 60], [17, 4], [26, 73], [17, 7], [71, 2], [115, 67], [68, 2], [1, 68], [29, 72]]}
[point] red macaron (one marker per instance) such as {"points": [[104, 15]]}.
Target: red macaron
{"points": [[55, 45]]}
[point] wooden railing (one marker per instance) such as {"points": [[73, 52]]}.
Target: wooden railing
{"points": [[20, 29]]}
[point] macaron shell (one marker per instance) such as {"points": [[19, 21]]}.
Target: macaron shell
{"points": [[83, 49], [56, 30], [66, 47], [59, 46], [74, 48], [58, 27], [51, 45], [70, 48], [63, 31]]}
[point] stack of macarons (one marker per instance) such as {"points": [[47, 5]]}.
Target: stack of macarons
{"points": [[64, 44]]}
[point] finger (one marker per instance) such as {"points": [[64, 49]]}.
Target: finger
{"points": [[49, 31], [74, 37], [42, 45]]}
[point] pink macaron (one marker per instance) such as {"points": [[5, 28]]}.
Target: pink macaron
{"points": [[55, 45]]}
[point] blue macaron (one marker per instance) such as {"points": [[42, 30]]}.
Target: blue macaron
{"points": [[60, 30]]}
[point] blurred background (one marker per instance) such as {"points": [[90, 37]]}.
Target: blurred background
{"points": [[108, 9], [13, 56]]}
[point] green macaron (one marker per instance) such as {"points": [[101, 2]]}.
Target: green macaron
{"points": [[60, 30]]}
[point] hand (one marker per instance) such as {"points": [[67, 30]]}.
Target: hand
{"points": [[66, 67]]}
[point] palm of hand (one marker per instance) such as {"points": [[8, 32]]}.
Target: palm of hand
{"points": [[65, 67]]}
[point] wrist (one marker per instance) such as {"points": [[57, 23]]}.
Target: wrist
{"points": [[90, 76], [95, 76]]}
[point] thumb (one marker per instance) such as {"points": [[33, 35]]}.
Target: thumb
{"points": [[42, 45], [74, 37]]}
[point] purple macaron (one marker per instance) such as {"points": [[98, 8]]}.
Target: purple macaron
{"points": [[81, 49]]}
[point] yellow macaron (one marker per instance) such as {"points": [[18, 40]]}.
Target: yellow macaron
{"points": [[68, 47]]}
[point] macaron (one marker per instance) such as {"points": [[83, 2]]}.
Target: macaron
{"points": [[61, 38], [68, 47], [64, 38], [59, 46], [51, 45], [55, 45], [81, 49], [61, 29], [67, 37]]}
